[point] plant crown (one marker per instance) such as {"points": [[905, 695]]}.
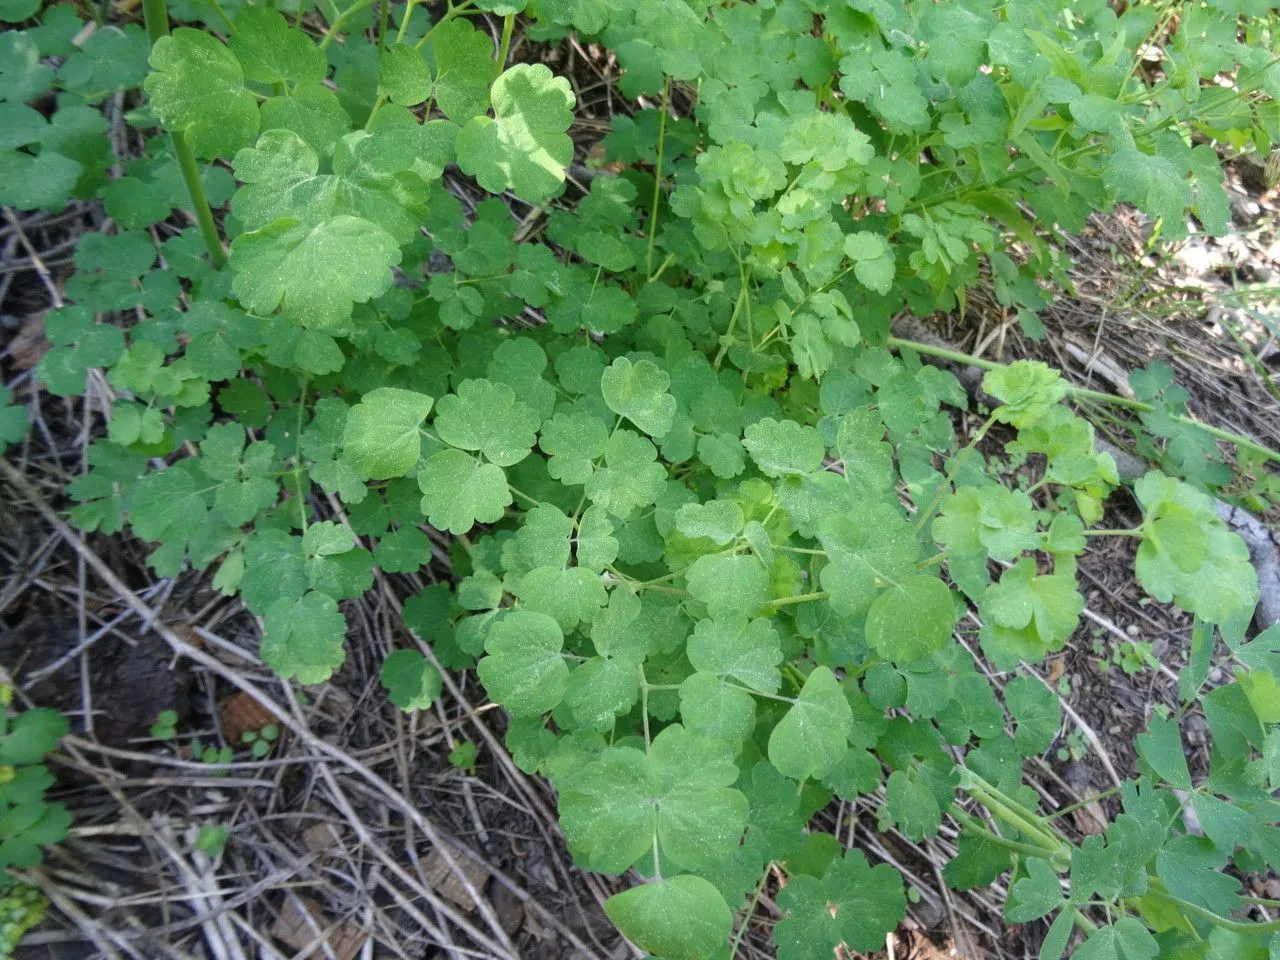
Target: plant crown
{"points": [[711, 530]]}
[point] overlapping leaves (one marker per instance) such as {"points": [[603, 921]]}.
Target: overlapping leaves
{"points": [[683, 566]]}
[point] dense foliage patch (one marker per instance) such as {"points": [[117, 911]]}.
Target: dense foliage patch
{"points": [[710, 525]]}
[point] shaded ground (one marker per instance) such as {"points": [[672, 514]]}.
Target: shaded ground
{"points": [[355, 832]]}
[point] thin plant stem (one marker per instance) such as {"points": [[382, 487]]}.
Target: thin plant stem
{"points": [[1058, 814], [340, 20], [157, 18], [404, 20], [384, 17], [504, 47], [746, 919], [799, 598], [924, 515], [222, 15], [1226, 923], [1080, 393], [449, 15], [975, 825], [657, 177]]}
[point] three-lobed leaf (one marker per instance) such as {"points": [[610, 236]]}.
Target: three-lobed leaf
{"points": [[678, 918], [524, 670], [412, 682], [853, 904], [812, 737], [523, 147], [382, 436], [314, 274], [197, 89]]}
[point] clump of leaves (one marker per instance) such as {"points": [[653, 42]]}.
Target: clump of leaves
{"points": [[261, 742], [28, 821], [661, 439]]}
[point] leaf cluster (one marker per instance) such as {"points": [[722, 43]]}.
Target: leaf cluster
{"points": [[710, 542]]}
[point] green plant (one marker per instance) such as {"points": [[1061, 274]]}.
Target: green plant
{"points": [[28, 822], [664, 421], [21, 907], [213, 756], [211, 840], [463, 756], [261, 741], [1134, 656], [166, 725]]}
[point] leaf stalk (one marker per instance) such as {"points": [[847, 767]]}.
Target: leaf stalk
{"points": [[1081, 393], [156, 15]]}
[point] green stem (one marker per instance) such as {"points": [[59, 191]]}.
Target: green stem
{"points": [[1080, 393], [384, 17], [936, 558], [662, 268], [1002, 811], [759, 693], [504, 48], [640, 586], [404, 25], [738, 306], [524, 496], [923, 516], [1011, 812], [157, 18], [341, 19], [449, 15], [648, 746], [404, 21], [975, 825], [746, 918], [657, 177], [1059, 814], [1083, 922], [1236, 926], [799, 598], [1113, 533]]}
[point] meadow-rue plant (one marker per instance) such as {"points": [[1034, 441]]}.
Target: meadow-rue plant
{"points": [[710, 525]]}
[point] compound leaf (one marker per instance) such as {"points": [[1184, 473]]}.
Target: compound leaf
{"points": [[912, 620], [303, 637], [458, 491], [270, 51], [486, 416], [854, 904], [814, 734], [638, 392]]}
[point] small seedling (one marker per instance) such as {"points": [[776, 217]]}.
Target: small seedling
{"points": [[212, 840], [213, 756], [463, 756], [261, 741], [166, 725]]}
